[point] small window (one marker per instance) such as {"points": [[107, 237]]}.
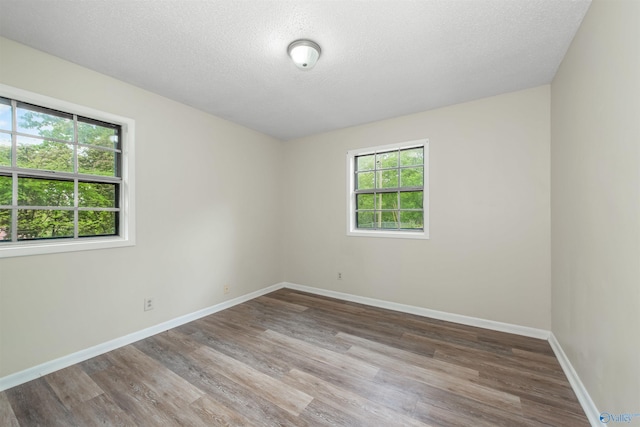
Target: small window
{"points": [[388, 191], [66, 178]]}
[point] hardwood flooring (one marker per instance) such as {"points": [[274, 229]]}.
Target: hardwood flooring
{"points": [[296, 359]]}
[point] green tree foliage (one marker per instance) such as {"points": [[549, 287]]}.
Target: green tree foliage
{"points": [[47, 150]]}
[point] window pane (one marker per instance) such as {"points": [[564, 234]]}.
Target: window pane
{"points": [[389, 220], [96, 223], [94, 134], [94, 195], [364, 219], [411, 200], [411, 177], [387, 179], [365, 162], [44, 224], [5, 114], [96, 162], [41, 122], [414, 156], [387, 201], [5, 149], [6, 189], [364, 201], [44, 192], [36, 153], [387, 160], [365, 180], [5, 225], [411, 220]]}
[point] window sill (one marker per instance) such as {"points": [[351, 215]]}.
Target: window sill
{"points": [[390, 234], [40, 247]]}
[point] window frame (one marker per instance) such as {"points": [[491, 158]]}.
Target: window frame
{"points": [[352, 230], [126, 217]]}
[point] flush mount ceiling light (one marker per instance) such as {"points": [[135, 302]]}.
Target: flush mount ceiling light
{"points": [[304, 53]]}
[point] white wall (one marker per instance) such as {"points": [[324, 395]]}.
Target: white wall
{"points": [[488, 255], [595, 204], [208, 199]]}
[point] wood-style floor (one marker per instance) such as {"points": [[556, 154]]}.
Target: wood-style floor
{"points": [[296, 359]]}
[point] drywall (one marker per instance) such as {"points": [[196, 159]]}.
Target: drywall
{"points": [[208, 199], [488, 255], [595, 204]]}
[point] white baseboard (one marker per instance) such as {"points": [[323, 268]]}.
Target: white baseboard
{"points": [[82, 355], [434, 314], [593, 415]]}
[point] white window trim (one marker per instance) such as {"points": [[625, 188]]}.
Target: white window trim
{"points": [[127, 235], [351, 198]]}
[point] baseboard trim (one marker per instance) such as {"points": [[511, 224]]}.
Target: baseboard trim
{"points": [[420, 311], [82, 355], [589, 407]]}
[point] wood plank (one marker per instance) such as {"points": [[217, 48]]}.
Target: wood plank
{"points": [[439, 379], [351, 403], [73, 386], [34, 403], [410, 358], [285, 397], [337, 360], [213, 413], [101, 410], [7, 417]]}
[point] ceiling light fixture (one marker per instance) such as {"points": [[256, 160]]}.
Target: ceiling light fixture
{"points": [[304, 53]]}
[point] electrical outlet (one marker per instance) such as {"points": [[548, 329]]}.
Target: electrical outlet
{"points": [[226, 289], [339, 276], [149, 304]]}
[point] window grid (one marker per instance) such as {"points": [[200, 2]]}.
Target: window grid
{"points": [[379, 214], [20, 174]]}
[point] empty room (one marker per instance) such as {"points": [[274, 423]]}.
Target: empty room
{"points": [[318, 212]]}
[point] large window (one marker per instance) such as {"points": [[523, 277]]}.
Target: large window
{"points": [[65, 176], [387, 194]]}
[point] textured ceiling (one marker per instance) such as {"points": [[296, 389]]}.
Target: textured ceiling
{"points": [[380, 58]]}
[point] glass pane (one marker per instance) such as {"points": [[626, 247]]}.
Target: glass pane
{"points": [[364, 201], [6, 189], [94, 134], [44, 192], [364, 219], [41, 122], [387, 201], [387, 160], [411, 177], [411, 220], [36, 153], [96, 162], [5, 149], [5, 225], [411, 200], [94, 195], [5, 114], [387, 179], [413, 156], [365, 180], [96, 223], [389, 220], [44, 224], [365, 162]]}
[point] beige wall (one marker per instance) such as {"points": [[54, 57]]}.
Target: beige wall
{"points": [[207, 202], [488, 255], [595, 204]]}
